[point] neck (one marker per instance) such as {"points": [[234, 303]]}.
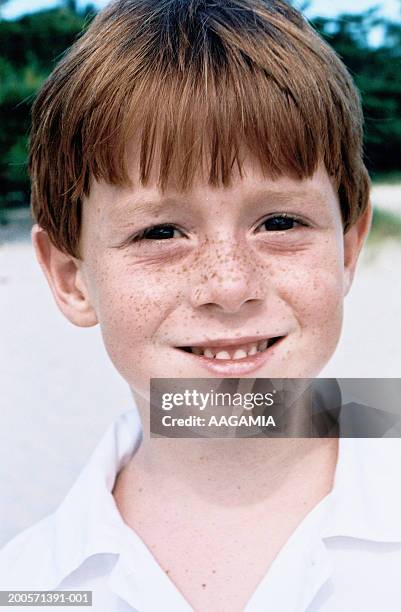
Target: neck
{"points": [[232, 472]]}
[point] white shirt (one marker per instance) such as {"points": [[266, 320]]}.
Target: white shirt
{"points": [[345, 556]]}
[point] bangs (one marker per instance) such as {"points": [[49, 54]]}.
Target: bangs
{"points": [[210, 99], [185, 129], [191, 85]]}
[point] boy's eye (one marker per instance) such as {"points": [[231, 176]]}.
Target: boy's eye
{"points": [[275, 223], [158, 232], [279, 223]]}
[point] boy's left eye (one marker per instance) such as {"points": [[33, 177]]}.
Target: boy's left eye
{"points": [[279, 223]]}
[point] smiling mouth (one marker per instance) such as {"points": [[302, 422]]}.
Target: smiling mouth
{"points": [[232, 353]]}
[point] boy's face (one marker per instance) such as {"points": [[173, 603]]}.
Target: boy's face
{"points": [[223, 271]]}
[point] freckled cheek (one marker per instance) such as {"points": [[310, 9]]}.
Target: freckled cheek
{"points": [[313, 288], [133, 304]]}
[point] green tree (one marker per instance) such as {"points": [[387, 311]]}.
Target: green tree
{"points": [[71, 5], [376, 71], [31, 46]]}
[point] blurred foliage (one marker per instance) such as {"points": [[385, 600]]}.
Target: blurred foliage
{"points": [[31, 46], [393, 177], [376, 71]]}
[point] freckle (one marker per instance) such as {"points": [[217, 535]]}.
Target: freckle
{"points": [[213, 571], [203, 585], [167, 571], [140, 490]]}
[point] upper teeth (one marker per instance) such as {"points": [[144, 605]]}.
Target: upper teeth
{"points": [[231, 352]]}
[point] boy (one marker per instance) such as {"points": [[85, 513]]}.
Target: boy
{"points": [[199, 191]]}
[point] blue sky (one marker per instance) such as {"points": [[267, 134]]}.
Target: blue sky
{"points": [[390, 8]]}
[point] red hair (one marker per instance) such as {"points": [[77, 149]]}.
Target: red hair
{"points": [[191, 79]]}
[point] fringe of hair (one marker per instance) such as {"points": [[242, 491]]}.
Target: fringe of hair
{"points": [[191, 81]]}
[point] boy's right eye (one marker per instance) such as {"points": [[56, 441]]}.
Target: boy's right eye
{"points": [[157, 232]]}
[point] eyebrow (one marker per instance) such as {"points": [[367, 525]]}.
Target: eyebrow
{"points": [[144, 206], [139, 207], [311, 194]]}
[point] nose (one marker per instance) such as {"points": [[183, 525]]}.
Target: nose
{"points": [[227, 276]]}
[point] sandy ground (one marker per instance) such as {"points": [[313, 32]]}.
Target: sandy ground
{"points": [[388, 197], [59, 390]]}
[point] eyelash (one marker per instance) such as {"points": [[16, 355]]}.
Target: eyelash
{"points": [[141, 235], [286, 216]]}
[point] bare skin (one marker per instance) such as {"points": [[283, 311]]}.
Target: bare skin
{"points": [[212, 511], [216, 515]]}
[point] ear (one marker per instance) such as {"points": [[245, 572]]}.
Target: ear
{"points": [[353, 243], [65, 280]]}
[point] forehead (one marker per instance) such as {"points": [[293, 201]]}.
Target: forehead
{"points": [[116, 203]]}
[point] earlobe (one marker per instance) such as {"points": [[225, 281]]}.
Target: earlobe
{"points": [[353, 243], [65, 280], [348, 278]]}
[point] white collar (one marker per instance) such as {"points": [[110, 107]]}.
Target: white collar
{"points": [[365, 502]]}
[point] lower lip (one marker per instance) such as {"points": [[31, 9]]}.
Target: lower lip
{"points": [[235, 367]]}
